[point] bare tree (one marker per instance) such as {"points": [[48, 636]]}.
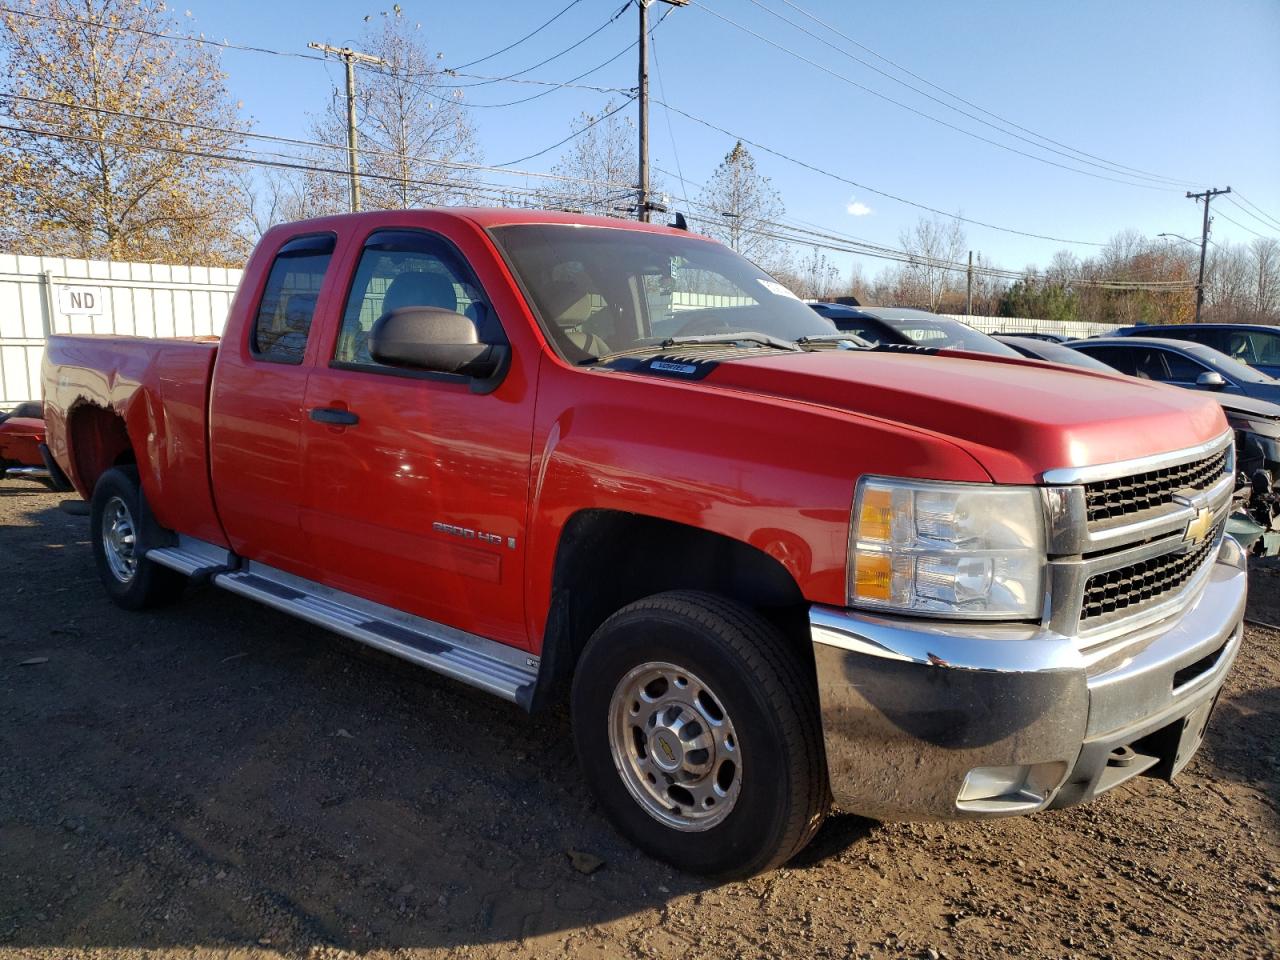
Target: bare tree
{"points": [[121, 130], [1265, 253], [742, 209], [416, 141], [599, 164], [819, 278], [932, 242]]}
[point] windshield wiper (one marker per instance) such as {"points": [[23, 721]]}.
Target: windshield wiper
{"points": [[747, 336], [704, 340], [856, 340]]}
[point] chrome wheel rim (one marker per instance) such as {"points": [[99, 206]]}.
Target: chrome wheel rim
{"points": [[674, 746], [119, 540]]}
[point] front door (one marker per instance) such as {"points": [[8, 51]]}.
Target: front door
{"points": [[417, 485]]}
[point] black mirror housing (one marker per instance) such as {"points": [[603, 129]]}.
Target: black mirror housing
{"points": [[434, 340]]}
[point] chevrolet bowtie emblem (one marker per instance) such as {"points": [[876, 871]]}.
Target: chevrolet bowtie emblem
{"points": [[1198, 528]]}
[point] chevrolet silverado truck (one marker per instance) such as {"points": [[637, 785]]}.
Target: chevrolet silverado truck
{"points": [[768, 567]]}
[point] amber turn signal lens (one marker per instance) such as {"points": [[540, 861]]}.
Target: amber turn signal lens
{"points": [[873, 576], [876, 516]]}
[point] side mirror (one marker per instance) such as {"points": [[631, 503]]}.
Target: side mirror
{"points": [[439, 341], [1211, 380]]}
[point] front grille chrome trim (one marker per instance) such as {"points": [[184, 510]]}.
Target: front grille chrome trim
{"points": [[1065, 476]]}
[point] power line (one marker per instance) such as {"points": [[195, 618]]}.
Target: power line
{"points": [[528, 36], [224, 44], [294, 141], [969, 103], [921, 113], [577, 133], [1262, 220], [1239, 196], [675, 150], [573, 82], [1105, 165], [1219, 213], [480, 187], [555, 56], [880, 193]]}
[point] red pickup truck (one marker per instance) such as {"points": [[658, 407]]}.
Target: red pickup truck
{"points": [[552, 455]]}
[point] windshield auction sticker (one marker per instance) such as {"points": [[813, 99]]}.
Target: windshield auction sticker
{"points": [[777, 289]]}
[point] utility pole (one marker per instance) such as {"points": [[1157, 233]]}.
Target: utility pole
{"points": [[1204, 241], [643, 206], [349, 58], [968, 289]]}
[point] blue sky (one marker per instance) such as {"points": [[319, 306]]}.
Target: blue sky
{"points": [[1175, 88]]}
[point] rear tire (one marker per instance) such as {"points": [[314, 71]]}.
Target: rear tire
{"points": [[120, 543], [697, 728]]}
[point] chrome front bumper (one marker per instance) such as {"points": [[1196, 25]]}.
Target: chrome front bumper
{"points": [[910, 708]]}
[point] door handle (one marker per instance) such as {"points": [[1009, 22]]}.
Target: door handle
{"points": [[334, 417]]}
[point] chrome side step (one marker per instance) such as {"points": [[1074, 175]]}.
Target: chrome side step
{"points": [[192, 556], [27, 473], [495, 667]]}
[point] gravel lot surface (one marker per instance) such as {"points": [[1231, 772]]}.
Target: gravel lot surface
{"points": [[216, 780]]}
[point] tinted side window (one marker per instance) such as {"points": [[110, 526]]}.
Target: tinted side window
{"points": [[288, 302], [859, 328], [408, 269], [1182, 369], [1121, 358]]}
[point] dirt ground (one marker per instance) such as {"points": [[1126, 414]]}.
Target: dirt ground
{"points": [[219, 781]]}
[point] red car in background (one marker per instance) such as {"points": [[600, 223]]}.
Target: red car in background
{"points": [[21, 434]]}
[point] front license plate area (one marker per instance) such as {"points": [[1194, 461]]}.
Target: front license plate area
{"points": [[1192, 735]]}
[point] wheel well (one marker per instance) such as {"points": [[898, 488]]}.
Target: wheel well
{"points": [[607, 559], [98, 440]]}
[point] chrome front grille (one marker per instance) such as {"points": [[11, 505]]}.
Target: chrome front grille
{"points": [[1129, 542], [1129, 590], [1108, 500]]}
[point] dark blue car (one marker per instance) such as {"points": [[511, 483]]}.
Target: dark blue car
{"points": [[1250, 343], [1181, 363]]}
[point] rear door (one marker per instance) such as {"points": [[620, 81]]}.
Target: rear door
{"points": [[256, 407], [417, 484]]}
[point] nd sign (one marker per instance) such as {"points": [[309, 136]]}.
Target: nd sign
{"points": [[80, 301]]}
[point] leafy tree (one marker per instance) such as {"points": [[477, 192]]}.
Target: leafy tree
{"points": [[1047, 300], [91, 174]]}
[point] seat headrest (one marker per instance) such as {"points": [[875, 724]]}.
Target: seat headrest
{"points": [[420, 289], [298, 311], [558, 297]]}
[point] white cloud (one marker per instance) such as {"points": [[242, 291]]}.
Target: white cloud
{"points": [[856, 208]]}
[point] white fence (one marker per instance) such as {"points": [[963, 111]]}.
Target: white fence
{"points": [[44, 295], [1069, 328]]}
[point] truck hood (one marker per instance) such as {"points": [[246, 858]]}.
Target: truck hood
{"points": [[1018, 418]]}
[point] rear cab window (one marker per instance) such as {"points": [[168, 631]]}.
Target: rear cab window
{"points": [[282, 325]]}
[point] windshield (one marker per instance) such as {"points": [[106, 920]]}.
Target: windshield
{"points": [[947, 334], [602, 290], [1229, 368]]}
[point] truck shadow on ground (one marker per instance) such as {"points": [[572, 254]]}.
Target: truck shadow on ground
{"points": [[217, 773]]}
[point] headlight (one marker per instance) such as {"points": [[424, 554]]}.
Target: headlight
{"points": [[947, 549]]}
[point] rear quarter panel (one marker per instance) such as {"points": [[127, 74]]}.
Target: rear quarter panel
{"points": [[160, 389]]}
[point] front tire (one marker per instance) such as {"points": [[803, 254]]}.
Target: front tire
{"points": [[697, 728], [120, 543]]}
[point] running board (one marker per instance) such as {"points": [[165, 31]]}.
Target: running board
{"points": [[494, 667], [27, 473], [192, 557]]}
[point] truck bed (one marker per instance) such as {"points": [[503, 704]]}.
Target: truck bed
{"points": [[161, 390]]}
